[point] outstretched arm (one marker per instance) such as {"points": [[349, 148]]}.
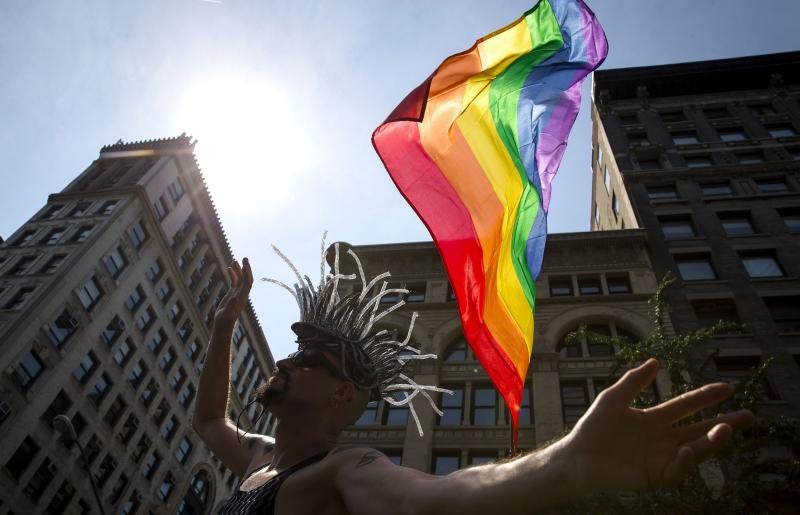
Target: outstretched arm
{"points": [[613, 447], [211, 407]]}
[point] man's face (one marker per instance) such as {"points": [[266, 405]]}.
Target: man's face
{"points": [[303, 380]]}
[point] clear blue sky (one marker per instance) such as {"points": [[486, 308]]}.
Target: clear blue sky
{"points": [[283, 97]]}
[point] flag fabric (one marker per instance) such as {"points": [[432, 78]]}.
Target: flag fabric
{"points": [[474, 150]]}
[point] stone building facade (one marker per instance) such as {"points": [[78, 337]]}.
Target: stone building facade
{"points": [[107, 295], [599, 279], [705, 156]]}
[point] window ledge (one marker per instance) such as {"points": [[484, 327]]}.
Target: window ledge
{"points": [[704, 281], [789, 333], [782, 278]]}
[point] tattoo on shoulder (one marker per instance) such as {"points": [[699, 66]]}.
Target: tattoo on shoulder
{"points": [[368, 458]]}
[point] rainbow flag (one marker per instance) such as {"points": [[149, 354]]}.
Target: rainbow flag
{"points": [[474, 150]]}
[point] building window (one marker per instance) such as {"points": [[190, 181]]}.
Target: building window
{"points": [[128, 429], [53, 263], [695, 267], [166, 486], [714, 113], [701, 161], [61, 403], [22, 265], [100, 389], [716, 189], [60, 501], [731, 134], [525, 411], [452, 406], [89, 294], [672, 116], [589, 286], [369, 415], [113, 330], [137, 234], [176, 189], [618, 284], [167, 359], [115, 262], [136, 374], [115, 411], [22, 457], [192, 349], [124, 351], [146, 319], [662, 192], [677, 227], [149, 392], [652, 163], [761, 264], [396, 415], [82, 234], [791, 218], [160, 208], [135, 299], [20, 298], [615, 204], [52, 211], [170, 428], [445, 463], [560, 286], [25, 237], [154, 272], [141, 448], [175, 312], [784, 312], [80, 209], [53, 236], [596, 215], [165, 290], [484, 406], [710, 312], [457, 351], [177, 379], [637, 138], [607, 179], [28, 370], [736, 224], [157, 341], [574, 400], [416, 293], [118, 489], [183, 450], [93, 448], [85, 368], [781, 131], [481, 457], [151, 465], [774, 185], [764, 109], [749, 158], [108, 207], [186, 396], [60, 329], [161, 411], [684, 138], [41, 479], [736, 370]]}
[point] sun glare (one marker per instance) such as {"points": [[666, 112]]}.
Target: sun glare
{"points": [[251, 145]]}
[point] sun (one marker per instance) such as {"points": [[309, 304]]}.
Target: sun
{"points": [[251, 143]]}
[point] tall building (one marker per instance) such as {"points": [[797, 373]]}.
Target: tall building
{"points": [[107, 296], [602, 280], [705, 157]]}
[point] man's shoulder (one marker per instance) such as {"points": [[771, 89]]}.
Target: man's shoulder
{"points": [[356, 455]]}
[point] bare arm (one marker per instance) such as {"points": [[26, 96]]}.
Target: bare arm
{"points": [[210, 419], [613, 447]]}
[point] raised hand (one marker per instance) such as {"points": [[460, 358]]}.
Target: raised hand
{"points": [[619, 447], [232, 304]]}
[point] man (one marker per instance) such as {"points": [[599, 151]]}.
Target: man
{"points": [[323, 388]]}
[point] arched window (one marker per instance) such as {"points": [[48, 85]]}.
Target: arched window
{"points": [[196, 499], [593, 345], [459, 351]]}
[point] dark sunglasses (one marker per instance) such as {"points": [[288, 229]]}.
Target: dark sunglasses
{"points": [[310, 358]]}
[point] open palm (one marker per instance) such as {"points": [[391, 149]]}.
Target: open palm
{"points": [[619, 447]]}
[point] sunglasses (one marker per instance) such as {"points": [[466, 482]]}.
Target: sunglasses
{"points": [[310, 358]]}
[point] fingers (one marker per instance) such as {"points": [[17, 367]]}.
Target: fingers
{"points": [[691, 454], [692, 402], [248, 274], [677, 470], [737, 420], [634, 381]]}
